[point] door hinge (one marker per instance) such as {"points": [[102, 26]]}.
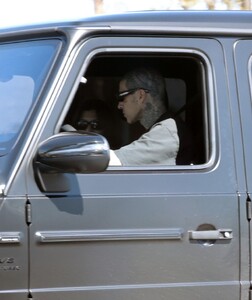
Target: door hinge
{"points": [[248, 207], [28, 212]]}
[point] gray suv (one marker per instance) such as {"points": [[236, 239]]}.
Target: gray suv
{"points": [[73, 227]]}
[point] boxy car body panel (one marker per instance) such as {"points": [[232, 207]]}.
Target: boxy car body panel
{"points": [[135, 233]]}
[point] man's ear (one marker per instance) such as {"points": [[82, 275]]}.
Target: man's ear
{"points": [[142, 95]]}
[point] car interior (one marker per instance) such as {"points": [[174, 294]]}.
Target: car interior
{"points": [[186, 92]]}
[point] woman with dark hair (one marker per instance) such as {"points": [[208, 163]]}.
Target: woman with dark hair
{"points": [[95, 116]]}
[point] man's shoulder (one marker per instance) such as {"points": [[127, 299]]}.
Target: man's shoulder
{"points": [[166, 123]]}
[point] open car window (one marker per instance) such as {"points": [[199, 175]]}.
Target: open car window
{"points": [[185, 80]]}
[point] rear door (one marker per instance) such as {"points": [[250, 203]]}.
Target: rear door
{"points": [[165, 233], [243, 59]]}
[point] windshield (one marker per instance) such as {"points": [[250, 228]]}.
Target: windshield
{"points": [[23, 69]]}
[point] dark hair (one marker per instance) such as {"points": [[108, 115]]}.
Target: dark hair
{"points": [[106, 117], [103, 111]]}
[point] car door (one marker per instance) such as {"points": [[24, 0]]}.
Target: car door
{"points": [[136, 233], [243, 59]]}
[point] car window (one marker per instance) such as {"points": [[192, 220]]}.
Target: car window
{"points": [[185, 83], [23, 69]]}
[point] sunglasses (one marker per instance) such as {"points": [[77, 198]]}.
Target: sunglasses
{"points": [[120, 97], [94, 124]]}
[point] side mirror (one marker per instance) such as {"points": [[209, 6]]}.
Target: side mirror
{"points": [[69, 152]]}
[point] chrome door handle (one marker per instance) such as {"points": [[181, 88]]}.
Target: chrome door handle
{"points": [[219, 234], [10, 238]]}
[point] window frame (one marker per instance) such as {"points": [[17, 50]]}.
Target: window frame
{"points": [[209, 100]]}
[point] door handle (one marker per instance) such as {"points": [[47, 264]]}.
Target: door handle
{"points": [[219, 234], [10, 238]]}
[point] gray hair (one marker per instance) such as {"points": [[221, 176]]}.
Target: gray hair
{"points": [[149, 79]]}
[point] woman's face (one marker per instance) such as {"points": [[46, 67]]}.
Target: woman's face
{"points": [[89, 122]]}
